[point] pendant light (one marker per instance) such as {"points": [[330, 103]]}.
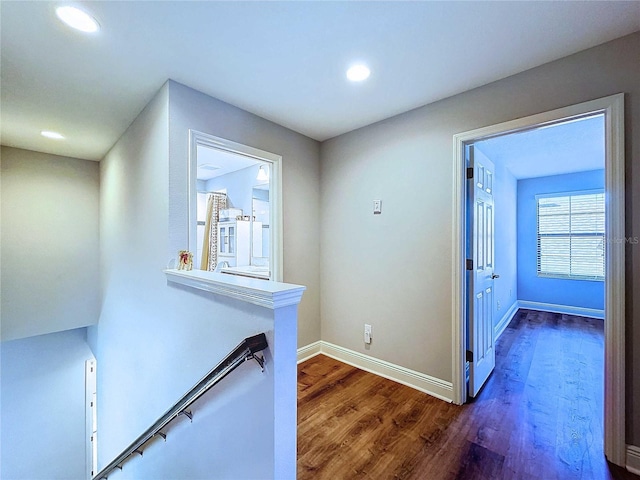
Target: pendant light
{"points": [[263, 176]]}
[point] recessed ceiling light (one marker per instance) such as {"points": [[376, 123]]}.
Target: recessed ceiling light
{"points": [[78, 19], [50, 134], [358, 73]]}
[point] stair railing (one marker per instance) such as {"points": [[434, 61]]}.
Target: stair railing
{"points": [[245, 351]]}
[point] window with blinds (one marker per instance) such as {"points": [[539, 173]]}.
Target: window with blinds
{"points": [[571, 235]]}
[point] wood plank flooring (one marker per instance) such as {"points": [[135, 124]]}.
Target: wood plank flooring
{"points": [[538, 417]]}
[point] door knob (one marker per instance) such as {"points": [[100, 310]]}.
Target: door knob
{"points": [[494, 276]]}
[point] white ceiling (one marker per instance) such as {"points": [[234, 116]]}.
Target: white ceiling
{"points": [[569, 147], [224, 161], [284, 61]]}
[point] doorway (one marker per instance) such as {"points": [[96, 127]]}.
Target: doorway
{"points": [[612, 110]]}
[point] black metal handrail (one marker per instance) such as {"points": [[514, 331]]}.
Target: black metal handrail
{"points": [[245, 351]]}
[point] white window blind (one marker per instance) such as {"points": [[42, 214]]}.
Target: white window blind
{"points": [[571, 235]]}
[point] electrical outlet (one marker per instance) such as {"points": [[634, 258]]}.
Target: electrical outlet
{"points": [[510, 293], [498, 304], [367, 333], [377, 207]]}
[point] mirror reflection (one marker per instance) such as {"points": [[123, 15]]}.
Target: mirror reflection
{"points": [[233, 213]]}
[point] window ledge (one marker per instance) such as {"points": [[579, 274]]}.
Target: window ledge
{"points": [[264, 293], [570, 277]]}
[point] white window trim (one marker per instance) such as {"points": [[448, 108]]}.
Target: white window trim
{"points": [[275, 191]]}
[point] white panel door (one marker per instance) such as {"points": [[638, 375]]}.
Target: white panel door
{"points": [[481, 275]]}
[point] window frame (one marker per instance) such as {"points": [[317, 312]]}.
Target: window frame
{"points": [[275, 162], [569, 275]]}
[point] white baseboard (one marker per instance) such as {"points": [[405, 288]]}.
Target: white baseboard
{"points": [[504, 321], [425, 383], [566, 309], [633, 459], [309, 351], [434, 386]]}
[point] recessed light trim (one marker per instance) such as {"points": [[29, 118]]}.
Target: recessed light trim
{"points": [[51, 134], [358, 73], [78, 19]]}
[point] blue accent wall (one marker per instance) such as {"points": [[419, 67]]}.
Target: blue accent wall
{"points": [[575, 293]]}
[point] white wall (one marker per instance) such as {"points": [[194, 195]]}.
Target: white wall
{"points": [[49, 243], [219, 443], [133, 224], [154, 340], [394, 270], [43, 407]]}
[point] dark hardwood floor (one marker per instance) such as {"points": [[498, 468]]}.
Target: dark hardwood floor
{"points": [[538, 417]]}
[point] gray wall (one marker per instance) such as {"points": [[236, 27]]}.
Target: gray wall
{"points": [[49, 243], [394, 270], [43, 407], [191, 109]]}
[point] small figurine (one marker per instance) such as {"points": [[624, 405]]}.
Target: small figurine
{"points": [[186, 260]]}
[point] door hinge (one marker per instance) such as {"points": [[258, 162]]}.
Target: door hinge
{"points": [[469, 264], [469, 173], [469, 356]]}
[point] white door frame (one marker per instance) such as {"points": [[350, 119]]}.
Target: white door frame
{"points": [[614, 350]]}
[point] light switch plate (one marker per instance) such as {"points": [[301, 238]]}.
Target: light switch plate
{"points": [[377, 207], [367, 333]]}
